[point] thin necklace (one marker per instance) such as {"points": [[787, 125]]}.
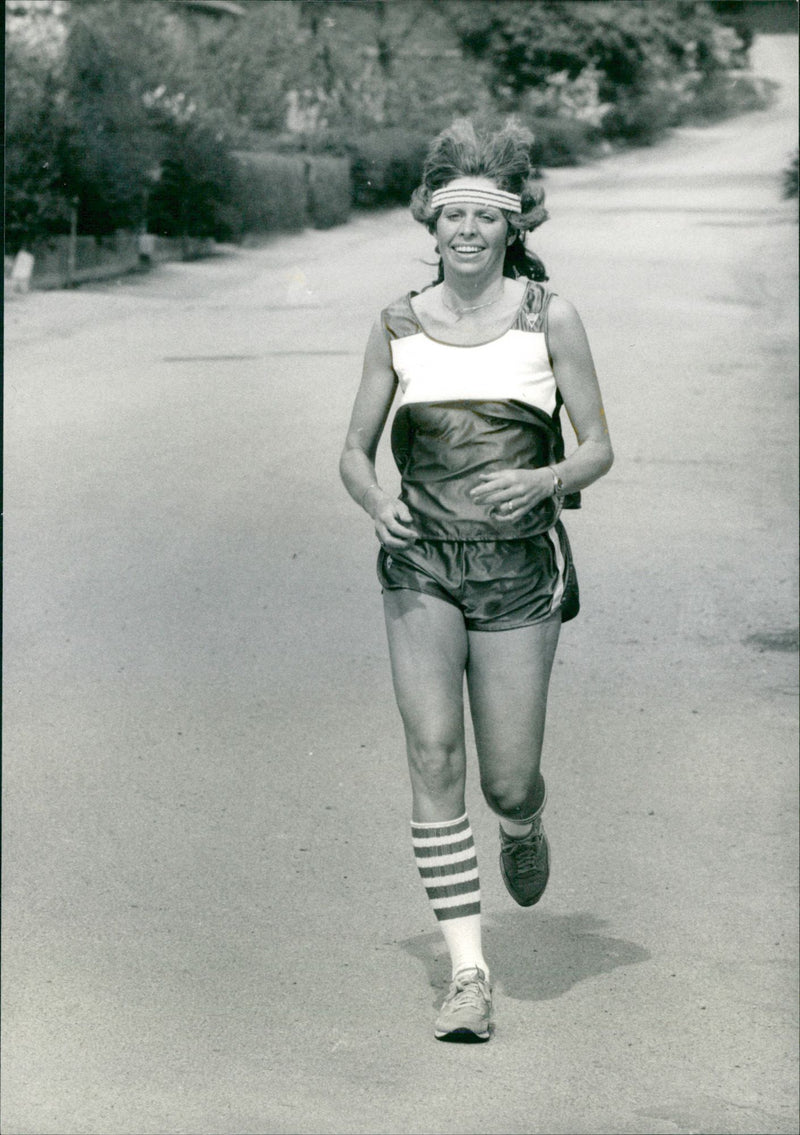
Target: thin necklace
{"points": [[464, 310]]}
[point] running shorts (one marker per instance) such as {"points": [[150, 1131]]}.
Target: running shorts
{"points": [[498, 585]]}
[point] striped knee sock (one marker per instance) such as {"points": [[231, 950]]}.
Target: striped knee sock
{"points": [[446, 860]]}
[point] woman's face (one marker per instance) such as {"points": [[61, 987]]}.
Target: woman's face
{"points": [[472, 238]]}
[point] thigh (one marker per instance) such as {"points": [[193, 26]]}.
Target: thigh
{"points": [[428, 651], [508, 677]]}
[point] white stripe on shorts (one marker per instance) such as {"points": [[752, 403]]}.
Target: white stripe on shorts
{"points": [[561, 564]]}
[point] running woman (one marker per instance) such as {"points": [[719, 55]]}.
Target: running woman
{"points": [[474, 562]]}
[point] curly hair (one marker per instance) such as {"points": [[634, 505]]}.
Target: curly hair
{"points": [[504, 156]]}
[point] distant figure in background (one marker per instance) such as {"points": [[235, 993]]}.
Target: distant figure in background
{"points": [[474, 562]]}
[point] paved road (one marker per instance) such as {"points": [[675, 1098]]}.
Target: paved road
{"points": [[213, 922]]}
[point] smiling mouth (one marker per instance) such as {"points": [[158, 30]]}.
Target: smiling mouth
{"points": [[470, 249]]}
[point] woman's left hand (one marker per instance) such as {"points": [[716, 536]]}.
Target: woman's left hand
{"points": [[509, 493]]}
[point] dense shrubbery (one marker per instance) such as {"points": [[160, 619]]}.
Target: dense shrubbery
{"points": [[628, 71], [726, 93], [136, 109], [195, 194], [274, 191], [271, 189], [330, 190], [101, 119], [386, 166], [561, 141]]}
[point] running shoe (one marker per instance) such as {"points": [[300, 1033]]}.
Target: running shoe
{"points": [[525, 863], [467, 1009]]}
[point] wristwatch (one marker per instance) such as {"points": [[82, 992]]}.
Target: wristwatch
{"points": [[558, 485]]}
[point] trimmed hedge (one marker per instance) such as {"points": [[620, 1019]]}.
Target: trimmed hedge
{"points": [[286, 192], [330, 190], [270, 193]]}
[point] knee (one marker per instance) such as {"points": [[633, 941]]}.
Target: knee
{"points": [[436, 762], [512, 797]]}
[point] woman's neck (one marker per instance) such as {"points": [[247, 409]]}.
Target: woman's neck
{"points": [[469, 293]]}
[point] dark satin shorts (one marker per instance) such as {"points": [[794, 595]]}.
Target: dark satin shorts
{"points": [[498, 585]]}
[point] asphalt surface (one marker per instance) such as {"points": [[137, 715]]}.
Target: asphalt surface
{"points": [[212, 918]]}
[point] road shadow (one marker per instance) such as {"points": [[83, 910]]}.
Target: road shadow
{"points": [[536, 956]]}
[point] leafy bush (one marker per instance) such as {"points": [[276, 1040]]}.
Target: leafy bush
{"points": [[134, 110], [639, 118], [560, 141], [727, 93], [195, 193], [633, 69], [386, 166]]}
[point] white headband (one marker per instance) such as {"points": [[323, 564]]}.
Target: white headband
{"points": [[464, 195]]}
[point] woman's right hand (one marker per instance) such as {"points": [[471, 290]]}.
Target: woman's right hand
{"points": [[394, 526]]}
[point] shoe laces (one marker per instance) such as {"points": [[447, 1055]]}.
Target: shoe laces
{"points": [[526, 851], [468, 989]]}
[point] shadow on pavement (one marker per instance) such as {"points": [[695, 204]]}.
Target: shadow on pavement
{"points": [[535, 956]]}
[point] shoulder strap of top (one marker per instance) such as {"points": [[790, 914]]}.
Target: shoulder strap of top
{"points": [[398, 318], [533, 313]]}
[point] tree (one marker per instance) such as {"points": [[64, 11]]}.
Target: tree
{"points": [[141, 134], [248, 72], [109, 145], [36, 201], [650, 58]]}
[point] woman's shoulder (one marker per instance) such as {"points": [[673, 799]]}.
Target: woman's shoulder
{"points": [[398, 318], [565, 330], [561, 313]]}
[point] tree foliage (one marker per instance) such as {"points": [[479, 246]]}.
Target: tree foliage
{"points": [[134, 107], [626, 42], [108, 145], [246, 72], [642, 63], [35, 199]]}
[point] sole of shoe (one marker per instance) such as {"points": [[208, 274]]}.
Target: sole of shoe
{"points": [[463, 1036]]}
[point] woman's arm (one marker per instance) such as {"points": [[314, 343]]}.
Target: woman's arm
{"points": [[393, 524], [577, 381]]}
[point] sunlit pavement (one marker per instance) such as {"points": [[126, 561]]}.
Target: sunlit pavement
{"points": [[212, 917]]}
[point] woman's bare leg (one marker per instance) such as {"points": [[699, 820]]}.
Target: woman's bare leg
{"points": [[508, 675], [428, 650]]}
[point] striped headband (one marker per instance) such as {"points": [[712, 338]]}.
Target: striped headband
{"points": [[465, 195]]}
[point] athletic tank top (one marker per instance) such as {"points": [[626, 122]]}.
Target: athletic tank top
{"points": [[464, 411]]}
